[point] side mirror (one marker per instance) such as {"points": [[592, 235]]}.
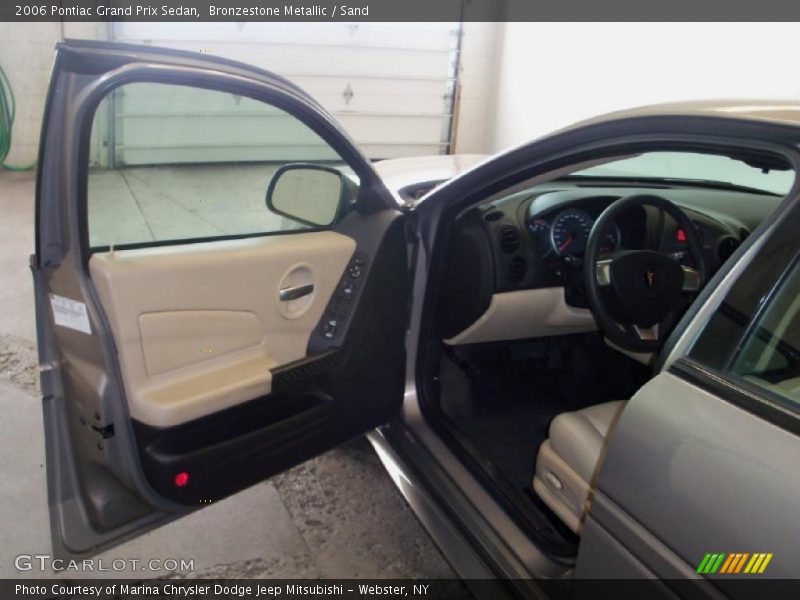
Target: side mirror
{"points": [[308, 193]]}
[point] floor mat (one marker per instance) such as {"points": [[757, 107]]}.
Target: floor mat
{"points": [[514, 401], [511, 439]]}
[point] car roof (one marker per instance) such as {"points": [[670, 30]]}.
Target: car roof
{"points": [[784, 112]]}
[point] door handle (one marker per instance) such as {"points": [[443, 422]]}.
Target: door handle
{"points": [[296, 291]]}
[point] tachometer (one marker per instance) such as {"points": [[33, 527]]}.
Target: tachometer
{"points": [[540, 232], [570, 231], [611, 240]]}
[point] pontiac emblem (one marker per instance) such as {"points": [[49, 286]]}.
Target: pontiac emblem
{"points": [[649, 278]]}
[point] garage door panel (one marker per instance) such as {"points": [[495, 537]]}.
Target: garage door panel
{"points": [[383, 151], [433, 36], [400, 71], [342, 94], [363, 94], [375, 128], [400, 106], [212, 128], [385, 86], [199, 154], [170, 124], [307, 59]]}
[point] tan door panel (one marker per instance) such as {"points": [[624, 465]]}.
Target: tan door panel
{"points": [[174, 339], [198, 327]]}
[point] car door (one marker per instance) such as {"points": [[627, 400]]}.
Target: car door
{"points": [[700, 479], [220, 286]]}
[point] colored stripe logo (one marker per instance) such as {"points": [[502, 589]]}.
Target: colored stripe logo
{"points": [[734, 563]]}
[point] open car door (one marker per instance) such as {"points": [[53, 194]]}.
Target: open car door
{"points": [[221, 286]]}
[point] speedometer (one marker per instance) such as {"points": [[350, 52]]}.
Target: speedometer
{"points": [[570, 231]]}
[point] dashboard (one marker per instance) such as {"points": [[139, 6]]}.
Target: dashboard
{"points": [[536, 239]]}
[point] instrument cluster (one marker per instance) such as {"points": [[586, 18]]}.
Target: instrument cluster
{"points": [[566, 234]]}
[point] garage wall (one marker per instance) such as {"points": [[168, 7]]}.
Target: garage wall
{"points": [[478, 76], [553, 74], [26, 55]]}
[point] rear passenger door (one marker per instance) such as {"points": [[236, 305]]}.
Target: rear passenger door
{"points": [[700, 480], [220, 286]]}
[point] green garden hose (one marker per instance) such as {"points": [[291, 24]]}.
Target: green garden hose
{"points": [[7, 109]]}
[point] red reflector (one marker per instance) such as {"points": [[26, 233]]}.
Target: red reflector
{"points": [[181, 479], [681, 235]]}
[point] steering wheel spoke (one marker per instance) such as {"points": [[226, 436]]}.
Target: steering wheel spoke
{"points": [[642, 333], [603, 272], [692, 281]]}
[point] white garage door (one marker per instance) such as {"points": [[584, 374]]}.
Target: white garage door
{"points": [[388, 84]]}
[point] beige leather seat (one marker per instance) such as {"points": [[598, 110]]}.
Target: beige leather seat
{"points": [[568, 459]]}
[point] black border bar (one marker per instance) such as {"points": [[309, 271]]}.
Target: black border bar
{"points": [[400, 10]]}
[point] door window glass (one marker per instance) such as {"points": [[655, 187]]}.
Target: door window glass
{"points": [[170, 162], [755, 334], [769, 354]]}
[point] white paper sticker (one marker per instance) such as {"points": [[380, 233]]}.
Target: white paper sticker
{"points": [[70, 313]]}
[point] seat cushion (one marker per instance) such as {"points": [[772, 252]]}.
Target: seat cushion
{"points": [[567, 461], [578, 437]]}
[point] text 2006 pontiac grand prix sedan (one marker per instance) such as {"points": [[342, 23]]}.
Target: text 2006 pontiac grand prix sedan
{"points": [[578, 359]]}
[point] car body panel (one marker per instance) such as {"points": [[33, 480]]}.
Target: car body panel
{"points": [[702, 475], [783, 112]]}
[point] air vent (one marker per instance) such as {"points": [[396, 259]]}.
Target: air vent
{"points": [[726, 247], [493, 216], [517, 268], [509, 240]]}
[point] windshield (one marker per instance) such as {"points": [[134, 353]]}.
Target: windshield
{"points": [[689, 166]]}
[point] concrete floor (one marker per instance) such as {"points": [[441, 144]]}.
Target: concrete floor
{"points": [[338, 515]]}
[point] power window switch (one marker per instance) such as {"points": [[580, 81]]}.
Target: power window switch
{"points": [[329, 328], [348, 289]]}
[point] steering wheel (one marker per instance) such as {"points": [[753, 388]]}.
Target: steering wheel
{"points": [[631, 291]]}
